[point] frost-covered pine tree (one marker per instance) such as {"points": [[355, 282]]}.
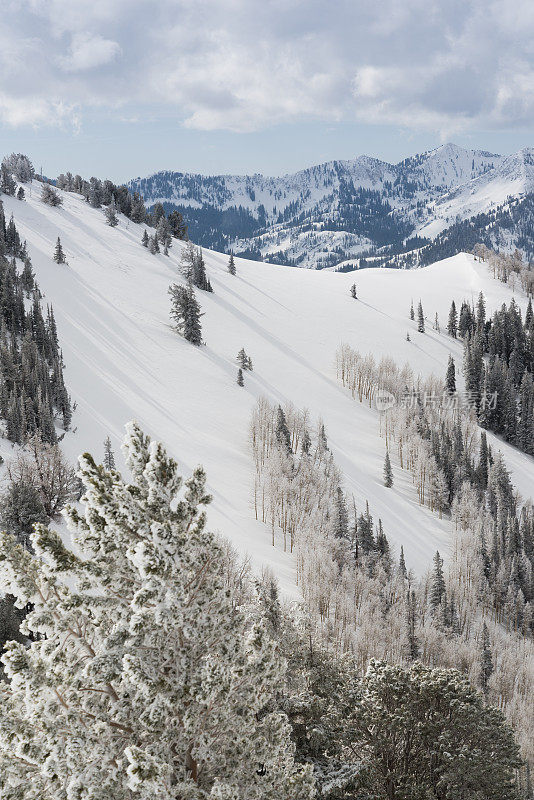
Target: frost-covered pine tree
{"points": [[388, 472], [353, 292], [144, 238], [412, 312], [109, 456], [59, 255], [231, 265], [110, 212], [240, 381], [50, 196], [145, 680]]}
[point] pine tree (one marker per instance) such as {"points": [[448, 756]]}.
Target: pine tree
{"points": [[153, 245], [402, 564], [144, 239], [110, 212], [412, 312], [408, 336], [109, 457], [141, 656], [340, 522], [231, 265], [21, 194], [240, 381], [417, 727], [437, 585], [388, 472], [50, 196], [452, 325], [450, 377], [353, 291], [59, 255], [282, 431], [412, 645], [486, 661], [420, 318], [185, 313]]}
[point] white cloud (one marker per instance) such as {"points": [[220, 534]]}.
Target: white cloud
{"points": [[88, 52], [246, 64]]}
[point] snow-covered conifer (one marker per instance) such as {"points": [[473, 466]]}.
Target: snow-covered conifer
{"points": [[240, 381], [231, 265], [50, 196], [109, 456], [353, 292], [144, 679], [110, 212]]}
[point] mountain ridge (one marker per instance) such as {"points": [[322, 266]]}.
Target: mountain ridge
{"points": [[341, 209]]}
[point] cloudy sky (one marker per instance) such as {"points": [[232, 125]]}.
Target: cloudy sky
{"points": [[125, 87]]}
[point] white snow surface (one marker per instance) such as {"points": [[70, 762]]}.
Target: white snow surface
{"points": [[124, 362]]}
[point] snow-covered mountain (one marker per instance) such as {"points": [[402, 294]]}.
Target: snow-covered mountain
{"points": [[123, 361], [334, 212]]}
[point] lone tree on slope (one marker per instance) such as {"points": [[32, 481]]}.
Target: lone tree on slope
{"points": [[231, 265], [185, 313], [388, 472], [59, 255], [420, 318]]}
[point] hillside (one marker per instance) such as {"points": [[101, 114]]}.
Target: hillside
{"points": [[123, 361], [327, 214]]}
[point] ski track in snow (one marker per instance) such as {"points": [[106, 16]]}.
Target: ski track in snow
{"points": [[124, 362]]}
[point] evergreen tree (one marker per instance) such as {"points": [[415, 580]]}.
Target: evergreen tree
{"points": [[450, 377], [353, 291], [437, 585], [452, 325], [59, 255], [426, 733], [412, 646], [403, 572], [420, 318], [340, 522], [21, 194], [282, 431], [110, 212], [166, 689], [50, 196], [7, 184], [240, 381], [144, 239], [244, 361], [231, 265], [185, 313], [109, 456], [153, 245], [412, 312], [388, 472], [486, 661]]}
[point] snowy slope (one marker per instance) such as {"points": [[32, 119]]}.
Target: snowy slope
{"points": [[123, 361], [512, 176]]}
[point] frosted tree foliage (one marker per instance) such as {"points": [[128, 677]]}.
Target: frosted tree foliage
{"points": [[147, 681]]}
